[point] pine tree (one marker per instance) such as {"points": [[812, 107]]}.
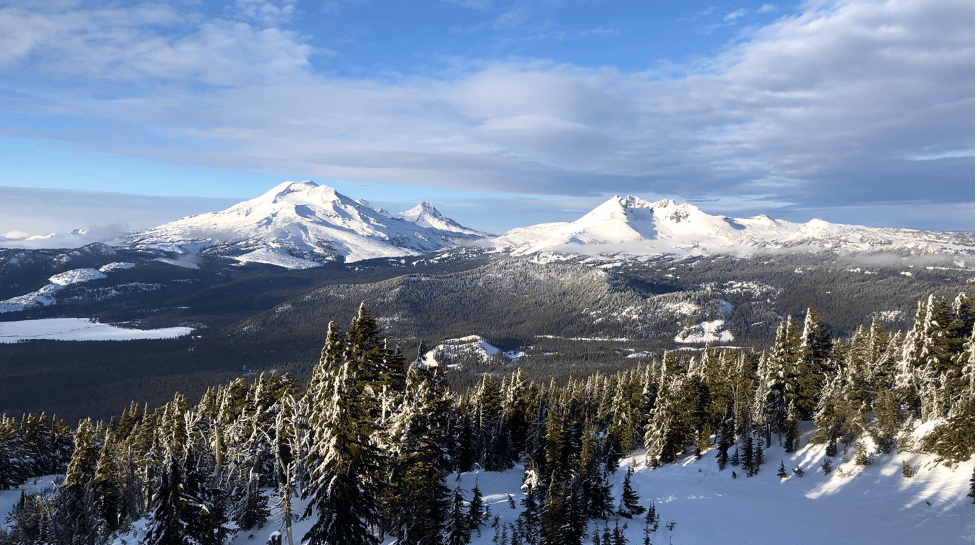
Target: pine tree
{"points": [[107, 485], [748, 456], [826, 466], [725, 440], [735, 459], [652, 519], [757, 456], [815, 349], [782, 472], [416, 498], [458, 524], [476, 510], [629, 507]]}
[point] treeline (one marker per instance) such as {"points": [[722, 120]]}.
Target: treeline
{"points": [[370, 442]]}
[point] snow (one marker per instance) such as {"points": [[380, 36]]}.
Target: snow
{"points": [[706, 332], [80, 329], [304, 219], [177, 263], [9, 498], [464, 347], [871, 505], [76, 276], [115, 266], [270, 256], [426, 215], [42, 297], [633, 227], [875, 505]]}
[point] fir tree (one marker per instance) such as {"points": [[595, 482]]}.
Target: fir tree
{"points": [[629, 507], [782, 472], [757, 456], [826, 466], [345, 461], [458, 528], [476, 509], [652, 519], [748, 457]]}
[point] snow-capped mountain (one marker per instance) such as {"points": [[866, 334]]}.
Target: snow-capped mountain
{"points": [[426, 215], [302, 225], [632, 226]]}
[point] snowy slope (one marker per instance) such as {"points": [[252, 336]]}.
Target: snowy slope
{"points": [[46, 295], [629, 225], [871, 505], [472, 347], [80, 329], [301, 225], [426, 215]]}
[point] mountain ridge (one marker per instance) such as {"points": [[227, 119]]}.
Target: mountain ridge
{"points": [[301, 225], [298, 225], [632, 226]]}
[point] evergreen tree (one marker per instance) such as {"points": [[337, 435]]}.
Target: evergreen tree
{"points": [[725, 440], [344, 462], [476, 509], [757, 456], [815, 349], [782, 472], [416, 498], [652, 519], [748, 457], [458, 528], [629, 507], [826, 466]]}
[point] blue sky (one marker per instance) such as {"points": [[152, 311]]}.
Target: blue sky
{"points": [[501, 112]]}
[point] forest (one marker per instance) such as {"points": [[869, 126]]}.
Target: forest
{"points": [[369, 443]]}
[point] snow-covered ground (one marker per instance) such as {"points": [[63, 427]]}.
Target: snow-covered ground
{"points": [[867, 505], [706, 332], [80, 329], [472, 346]]}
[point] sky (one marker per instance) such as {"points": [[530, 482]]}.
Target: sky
{"points": [[503, 113]]}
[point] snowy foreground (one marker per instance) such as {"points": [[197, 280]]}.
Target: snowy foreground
{"points": [[864, 505]]}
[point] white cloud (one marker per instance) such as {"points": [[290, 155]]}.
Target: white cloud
{"points": [[827, 104], [733, 15], [767, 8]]}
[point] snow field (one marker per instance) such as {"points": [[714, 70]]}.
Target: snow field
{"points": [[80, 329], [871, 505]]}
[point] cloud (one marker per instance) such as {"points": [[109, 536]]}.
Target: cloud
{"points": [[832, 105], [513, 18], [767, 8], [733, 15]]}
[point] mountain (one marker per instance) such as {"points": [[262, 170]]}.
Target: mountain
{"points": [[426, 215], [299, 225], [632, 226]]}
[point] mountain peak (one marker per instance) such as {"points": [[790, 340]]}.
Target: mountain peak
{"points": [[300, 192], [303, 224], [426, 215]]}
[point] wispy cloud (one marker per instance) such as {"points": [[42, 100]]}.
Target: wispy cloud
{"points": [[733, 15], [829, 104]]}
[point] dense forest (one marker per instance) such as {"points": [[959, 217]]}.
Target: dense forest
{"points": [[571, 316], [370, 441]]}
